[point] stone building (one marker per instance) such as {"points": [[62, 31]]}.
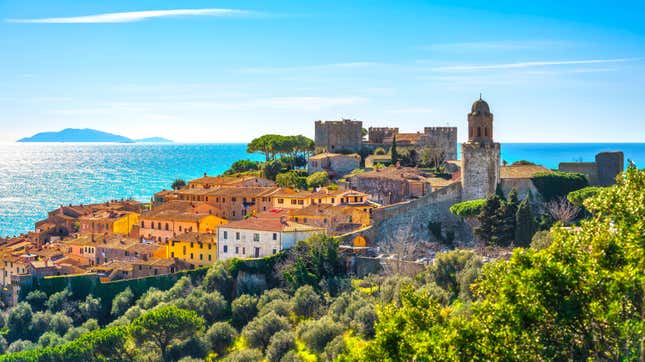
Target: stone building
{"points": [[443, 139], [335, 164], [480, 155], [339, 136], [602, 172]]}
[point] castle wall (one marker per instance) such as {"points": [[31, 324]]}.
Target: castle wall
{"points": [[443, 138], [409, 220], [339, 136], [588, 169], [480, 170], [608, 166]]}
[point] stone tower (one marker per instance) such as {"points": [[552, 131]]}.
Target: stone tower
{"points": [[339, 136], [480, 155]]}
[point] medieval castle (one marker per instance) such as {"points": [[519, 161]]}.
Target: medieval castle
{"points": [[480, 154]]}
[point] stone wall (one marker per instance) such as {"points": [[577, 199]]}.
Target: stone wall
{"points": [[586, 168], [410, 219], [608, 165], [443, 138], [480, 171], [339, 136]]}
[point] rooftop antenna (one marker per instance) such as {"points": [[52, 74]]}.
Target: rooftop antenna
{"points": [[480, 96]]}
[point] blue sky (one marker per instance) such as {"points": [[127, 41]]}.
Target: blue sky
{"points": [[226, 71]]}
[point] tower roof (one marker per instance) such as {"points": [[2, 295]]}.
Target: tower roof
{"points": [[480, 107]]}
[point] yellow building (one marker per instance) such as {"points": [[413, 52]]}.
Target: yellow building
{"points": [[109, 222], [197, 249], [176, 218]]}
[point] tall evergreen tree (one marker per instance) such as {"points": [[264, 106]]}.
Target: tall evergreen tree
{"points": [[524, 224], [487, 219], [395, 155]]}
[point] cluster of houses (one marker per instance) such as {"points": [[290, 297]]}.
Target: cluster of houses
{"points": [[221, 217]]}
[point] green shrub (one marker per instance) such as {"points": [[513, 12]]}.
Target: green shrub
{"points": [[280, 344], [243, 310], [220, 336], [579, 196], [260, 330], [469, 208], [554, 185], [317, 334], [306, 301], [379, 151], [318, 179], [244, 355]]}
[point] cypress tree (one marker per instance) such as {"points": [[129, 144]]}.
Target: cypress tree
{"points": [[524, 225], [395, 155], [487, 219]]}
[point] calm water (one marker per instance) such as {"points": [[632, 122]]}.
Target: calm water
{"points": [[35, 178]]}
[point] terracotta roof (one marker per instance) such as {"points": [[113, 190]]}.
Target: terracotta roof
{"points": [[322, 192], [268, 222], [106, 215], [392, 172], [195, 237], [180, 210], [220, 180], [439, 181], [324, 155], [521, 171], [156, 262], [238, 191]]}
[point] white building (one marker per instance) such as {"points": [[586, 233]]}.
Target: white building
{"points": [[261, 235]]}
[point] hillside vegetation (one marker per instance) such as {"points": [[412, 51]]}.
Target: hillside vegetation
{"points": [[578, 296]]}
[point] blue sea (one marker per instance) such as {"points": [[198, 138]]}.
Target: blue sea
{"points": [[38, 177]]}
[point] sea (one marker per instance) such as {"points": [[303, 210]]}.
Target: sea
{"points": [[37, 177]]}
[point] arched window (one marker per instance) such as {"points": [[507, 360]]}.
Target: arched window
{"points": [[167, 227], [159, 225], [486, 131], [479, 131]]}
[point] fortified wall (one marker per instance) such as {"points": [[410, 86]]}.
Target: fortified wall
{"points": [[602, 172], [410, 220]]}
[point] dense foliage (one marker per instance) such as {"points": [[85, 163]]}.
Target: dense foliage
{"points": [[272, 145], [556, 184], [468, 208]]}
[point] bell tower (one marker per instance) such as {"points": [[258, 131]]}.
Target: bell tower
{"points": [[480, 155]]}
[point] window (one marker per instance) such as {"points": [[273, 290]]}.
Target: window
{"points": [[237, 236], [333, 200], [237, 250], [280, 201], [172, 254], [209, 257], [233, 213], [184, 249], [275, 236], [143, 224], [167, 227], [225, 236], [486, 131], [233, 199], [201, 256], [256, 237], [274, 251], [479, 131], [243, 251], [180, 228], [191, 244], [293, 202], [257, 252], [225, 248], [301, 202]]}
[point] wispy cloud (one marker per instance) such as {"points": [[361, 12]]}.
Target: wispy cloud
{"points": [[133, 16], [458, 68], [494, 45]]}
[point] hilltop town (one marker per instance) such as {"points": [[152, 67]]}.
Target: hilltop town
{"points": [[373, 189]]}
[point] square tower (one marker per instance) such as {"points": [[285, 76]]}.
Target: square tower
{"points": [[480, 155]]}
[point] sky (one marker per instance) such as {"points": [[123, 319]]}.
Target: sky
{"points": [[228, 71]]}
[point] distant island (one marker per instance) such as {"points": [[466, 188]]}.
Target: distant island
{"points": [[87, 135]]}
